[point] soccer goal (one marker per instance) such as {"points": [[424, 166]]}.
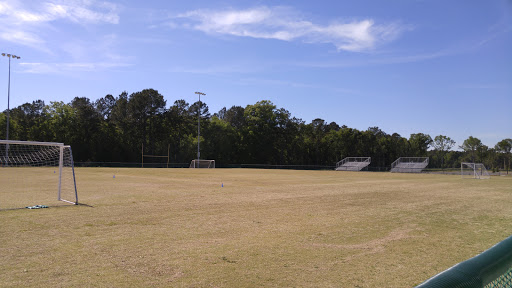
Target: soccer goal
{"points": [[36, 173], [473, 170], [202, 163]]}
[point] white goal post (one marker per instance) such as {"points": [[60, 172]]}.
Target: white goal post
{"points": [[36, 170], [473, 170], [202, 163]]}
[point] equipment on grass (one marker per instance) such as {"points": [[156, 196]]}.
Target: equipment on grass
{"points": [[36, 207], [473, 170], [409, 164], [353, 163], [38, 167], [202, 163]]}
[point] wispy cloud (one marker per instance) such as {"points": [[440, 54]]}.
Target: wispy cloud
{"points": [[76, 11], [285, 24], [22, 24], [103, 54], [377, 60], [21, 37], [65, 68], [295, 84], [43, 25]]}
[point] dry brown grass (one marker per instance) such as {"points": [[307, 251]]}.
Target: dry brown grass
{"points": [[264, 228]]}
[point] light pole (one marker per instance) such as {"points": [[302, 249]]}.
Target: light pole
{"points": [[9, 89], [8, 99], [198, 127]]}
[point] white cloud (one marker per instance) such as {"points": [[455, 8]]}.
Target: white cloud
{"points": [[66, 68], [83, 12], [24, 24], [77, 11], [21, 37], [283, 24]]}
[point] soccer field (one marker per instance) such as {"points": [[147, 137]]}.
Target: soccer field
{"points": [[263, 228]]}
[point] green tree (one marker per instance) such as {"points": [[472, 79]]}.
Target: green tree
{"points": [[419, 144], [220, 141], [471, 146], [260, 133], [105, 105], [26, 121], [505, 146], [59, 123], [145, 112], [235, 117], [86, 122], [316, 143], [120, 130], [179, 125], [442, 144], [399, 147]]}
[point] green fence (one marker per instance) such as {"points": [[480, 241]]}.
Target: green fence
{"points": [[491, 269]]}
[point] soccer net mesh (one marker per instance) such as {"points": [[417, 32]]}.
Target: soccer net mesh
{"points": [[202, 163], [474, 171], [36, 173]]}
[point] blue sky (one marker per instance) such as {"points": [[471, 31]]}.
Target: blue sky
{"points": [[406, 66]]}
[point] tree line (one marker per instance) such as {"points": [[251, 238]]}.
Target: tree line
{"points": [[114, 129]]}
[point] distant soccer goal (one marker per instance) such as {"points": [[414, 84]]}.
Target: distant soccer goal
{"points": [[36, 173], [353, 163], [409, 164], [473, 170], [202, 163]]}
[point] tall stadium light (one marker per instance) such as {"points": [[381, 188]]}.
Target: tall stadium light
{"points": [[8, 97], [199, 127]]}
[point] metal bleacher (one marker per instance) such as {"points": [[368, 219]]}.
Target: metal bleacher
{"points": [[353, 164], [409, 164]]}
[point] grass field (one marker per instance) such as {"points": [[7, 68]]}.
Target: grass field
{"points": [[264, 228]]}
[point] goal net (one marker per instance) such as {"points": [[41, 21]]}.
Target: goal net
{"points": [[202, 163], [36, 173], [474, 170]]}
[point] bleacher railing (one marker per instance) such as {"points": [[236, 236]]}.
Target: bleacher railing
{"points": [[409, 160], [409, 164], [365, 161]]}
